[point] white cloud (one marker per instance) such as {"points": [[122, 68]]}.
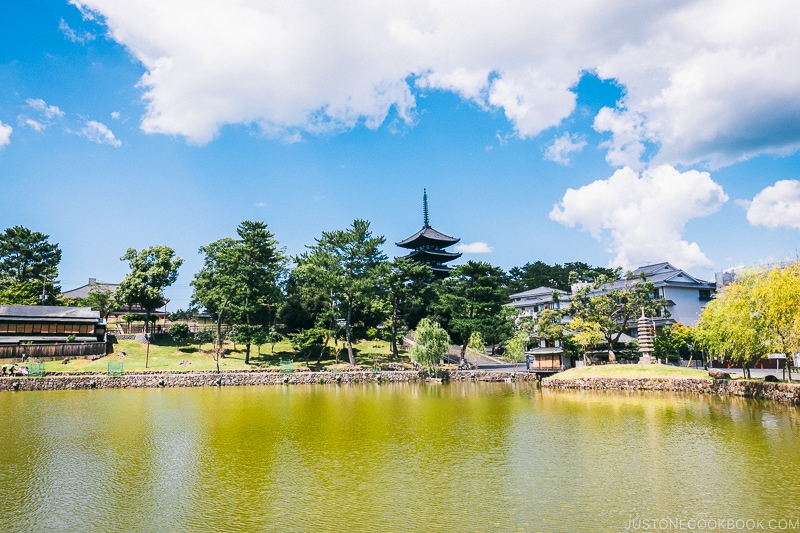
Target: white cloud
{"points": [[642, 217], [776, 206], [5, 134], [474, 248], [705, 80], [72, 35], [47, 111], [33, 124], [563, 146], [99, 133], [260, 204], [115, 115]]}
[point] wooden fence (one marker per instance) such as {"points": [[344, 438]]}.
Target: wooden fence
{"points": [[53, 351]]}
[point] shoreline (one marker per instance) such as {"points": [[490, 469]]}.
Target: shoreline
{"points": [[233, 378], [758, 390]]}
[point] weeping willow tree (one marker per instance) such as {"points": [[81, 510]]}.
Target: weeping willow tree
{"points": [[432, 342], [756, 315]]}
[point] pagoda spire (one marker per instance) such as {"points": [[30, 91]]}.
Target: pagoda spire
{"points": [[425, 220]]}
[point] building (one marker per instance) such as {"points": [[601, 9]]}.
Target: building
{"points": [[46, 324], [428, 246], [83, 291], [685, 298], [685, 294]]}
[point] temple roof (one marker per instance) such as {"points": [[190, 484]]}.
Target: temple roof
{"points": [[428, 235], [440, 256]]}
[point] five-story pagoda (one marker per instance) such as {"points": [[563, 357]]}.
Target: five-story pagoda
{"points": [[429, 245]]}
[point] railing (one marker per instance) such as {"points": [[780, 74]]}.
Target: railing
{"points": [[55, 351]]}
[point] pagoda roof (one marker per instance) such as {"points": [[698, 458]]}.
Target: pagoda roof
{"points": [[428, 235], [440, 256]]}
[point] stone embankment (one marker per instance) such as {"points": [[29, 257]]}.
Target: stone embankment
{"points": [[134, 380], [780, 392]]}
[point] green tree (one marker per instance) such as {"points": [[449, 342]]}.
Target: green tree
{"points": [[516, 346], [614, 306], [347, 264], [101, 299], [152, 270], [585, 334], [561, 277], [755, 315], [472, 300], [205, 336], [180, 333], [408, 285], [241, 281], [432, 342], [28, 262]]}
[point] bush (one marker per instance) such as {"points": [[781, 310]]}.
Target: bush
{"points": [[180, 334]]}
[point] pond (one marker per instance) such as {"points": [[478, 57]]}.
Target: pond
{"points": [[400, 457]]}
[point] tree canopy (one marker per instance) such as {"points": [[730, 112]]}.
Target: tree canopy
{"points": [[152, 270], [348, 264], [27, 261], [561, 277], [613, 307], [472, 300]]}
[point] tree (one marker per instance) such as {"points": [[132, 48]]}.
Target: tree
{"points": [[347, 264], [180, 333], [472, 299], [561, 277], [673, 342], [432, 342], [614, 306], [205, 336], [101, 299], [757, 314], [407, 285], [728, 328], [586, 335], [516, 346], [28, 262], [241, 281], [152, 270]]}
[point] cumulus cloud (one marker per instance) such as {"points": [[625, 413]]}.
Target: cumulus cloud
{"points": [[115, 115], [776, 206], [563, 146], [709, 81], [642, 217], [478, 247], [5, 134], [99, 133]]}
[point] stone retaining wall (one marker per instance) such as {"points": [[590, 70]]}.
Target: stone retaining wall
{"points": [[780, 392], [87, 380]]}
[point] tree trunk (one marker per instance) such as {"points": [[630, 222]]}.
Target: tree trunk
{"points": [[611, 357], [463, 353], [322, 351], [395, 353], [788, 367], [349, 340]]}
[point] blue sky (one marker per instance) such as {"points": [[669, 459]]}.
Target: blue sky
{"points": [[616, 134]]}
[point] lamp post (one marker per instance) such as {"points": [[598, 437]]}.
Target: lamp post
{"points": [[147, 354]]}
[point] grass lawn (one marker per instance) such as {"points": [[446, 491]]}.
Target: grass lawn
{"points": [[632, 371], [165, 355]]}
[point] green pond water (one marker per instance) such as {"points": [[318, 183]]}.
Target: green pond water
{"points": [[400, 457]]}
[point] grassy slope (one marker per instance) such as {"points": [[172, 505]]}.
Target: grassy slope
{"points": [[167, 356], [632, 371]]}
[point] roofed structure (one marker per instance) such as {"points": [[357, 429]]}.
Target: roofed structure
{"points": [[428, 245]]}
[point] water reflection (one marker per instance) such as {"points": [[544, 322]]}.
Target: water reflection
{"points": [[399, 457]]}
